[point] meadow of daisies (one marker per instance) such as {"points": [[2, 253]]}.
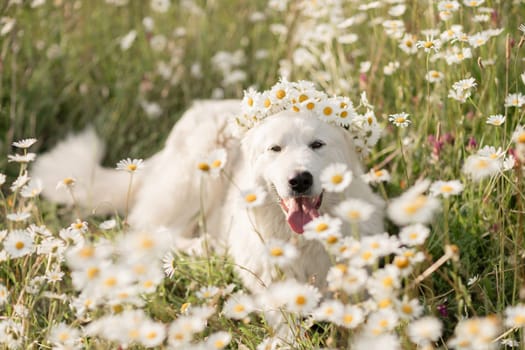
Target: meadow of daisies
{"points": [[438, 85]]}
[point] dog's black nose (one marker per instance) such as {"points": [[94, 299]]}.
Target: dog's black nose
{"points": [[301, 182]]}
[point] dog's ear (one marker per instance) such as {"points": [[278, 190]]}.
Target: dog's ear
{"points": [[352, 158]]}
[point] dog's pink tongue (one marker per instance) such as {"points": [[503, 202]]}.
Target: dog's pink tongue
{"points": [[301, 211]]}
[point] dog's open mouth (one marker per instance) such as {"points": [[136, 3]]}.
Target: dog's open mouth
{"points": [[301, 210]]}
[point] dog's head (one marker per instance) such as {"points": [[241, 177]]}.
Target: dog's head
{"points": [[287, 153]]}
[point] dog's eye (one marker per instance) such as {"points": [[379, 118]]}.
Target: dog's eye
{"points": [[316, 144], [275, 148]]}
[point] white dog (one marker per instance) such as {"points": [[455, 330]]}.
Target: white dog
{"points": [[284, 154]]}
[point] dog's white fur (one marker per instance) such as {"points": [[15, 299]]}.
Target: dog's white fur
{"points": [[170, 191]]}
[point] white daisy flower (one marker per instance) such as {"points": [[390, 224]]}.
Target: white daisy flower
{"points": [[465, 84], [32, 189], [21, 158], [381, 322], [213, 163], [429, 44], [295, 297], [2, 179], [18, 217], [473, 3], [446, 188], [408, 309], [280, 253], [354, 210], [169, 264], [321, 227], [408, 44], [414, 235], [218, 340], [433, 76], [4, 294], [18, 243], [208, 292], [400, 119], [25, 143], [64, 336], [67, 182], [425, 331], [515, 100], [376, 176], [515, 316], [351, 317], [130, 165], [329, 310], [253, 197], [127, 40], [152, 334], [336, 177], [496, 119], [413, 206], [238, 306], [479, 167]]}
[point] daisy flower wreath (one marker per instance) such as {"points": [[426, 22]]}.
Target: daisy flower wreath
{"points": [[302, 96]]}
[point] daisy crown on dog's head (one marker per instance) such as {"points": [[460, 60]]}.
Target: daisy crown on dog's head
{"points": [[302, 96]]}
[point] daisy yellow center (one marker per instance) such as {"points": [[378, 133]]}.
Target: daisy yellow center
{"points": [[296, 109], [92, 272], [499, 122], [19, 245], [366, 255], [300, 300], [473, 3], [332, 240], [409, 43], [151, 335], [493, 156], [409, 254], [473, 328], [280, 94], [134, 333], [337, 179], [68, 181], [418, 203], [344, 114], [179, 336], [515, 101], [375, 245], [148, 284], [146, 243], [354, 214], [87, 252], [400, 120], [446, 188], [219, 344], [184, 307], [276, 251], [482, 164], [521, 138], [321, 227], [347, 319], [407, 309], [378, 173], [63, 336], [303, 98], [250, 198], [310, 105], [388, 281], [383, 323], [370, 120], [267, 103], [460, 56], [329, 311], [110, 282], [250, 101], [413, 236], [435, 74], [239, 308], [123, 295], [401, 262], [428, 44], [384, 303], [132, 167], [519, 320], [216, 163], [203, 166], [327, 111], [341, 267], [449, 6], [79, 225]]}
